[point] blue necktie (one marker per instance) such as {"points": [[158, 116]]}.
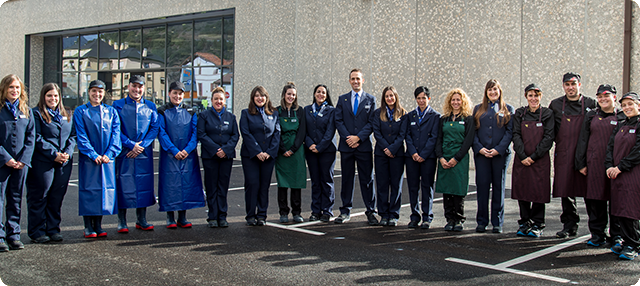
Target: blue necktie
{"points": [[355, 105]]}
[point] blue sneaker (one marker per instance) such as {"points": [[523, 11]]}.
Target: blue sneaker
{"points": [[596, 241], [523, 230], [628, 253], [535, 231]]}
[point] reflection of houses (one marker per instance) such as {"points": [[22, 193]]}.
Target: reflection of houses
{"points": [[207, 75]]}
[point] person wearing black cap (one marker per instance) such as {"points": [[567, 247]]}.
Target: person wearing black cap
{"points": [[569, 111], [134, 166], [179, 180], [596, 129], [98, 139], [420, 157], [623, 168], [531, 182], [51, 166], [18, 139]]}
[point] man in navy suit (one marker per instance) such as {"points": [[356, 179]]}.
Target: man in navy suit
{"points": [[353, 113]]}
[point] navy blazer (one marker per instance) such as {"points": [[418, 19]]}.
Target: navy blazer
{"points": [[389, 134], [489, 135], [216, 132], [53, 137], [321, 129], [18, 136], [255, 134], [422, 136], [359, 124]]}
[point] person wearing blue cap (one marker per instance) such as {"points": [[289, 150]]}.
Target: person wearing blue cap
{"points": [[134, 166], [16, 148], [52, 163], [179, 180], [98, 139]]}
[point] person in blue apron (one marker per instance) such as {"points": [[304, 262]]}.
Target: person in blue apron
{"points": [[568, 183], [51, 165], [623, 168], [179, 180], [19, 136], [260, 129], [531, 175], [291, 171], [98, 139], [389, 128], [591, 151], [354, 112], [134, 166], [321, 153], [455, 136], [491, 148], [218, 134]]}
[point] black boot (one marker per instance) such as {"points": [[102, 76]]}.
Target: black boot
{"points": [[97, 226], [141, 223], [171, 220], [122, 221], [182, 219], [88, 228]]}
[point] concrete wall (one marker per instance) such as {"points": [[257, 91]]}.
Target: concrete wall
{"points": [[439, 43]]}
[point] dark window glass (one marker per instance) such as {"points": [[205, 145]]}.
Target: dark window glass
{"points": [[208, 41], [109, 45], [179, 42], [89, 53], [228, 43], [130, 54], [69, 89], [153, 47]]}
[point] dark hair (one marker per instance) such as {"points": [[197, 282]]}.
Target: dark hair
{"points": [[283, 102], [268, 108], [420, 90], [398, 111], [42, 105], [484, 106], [328, 100], [354, 70]]}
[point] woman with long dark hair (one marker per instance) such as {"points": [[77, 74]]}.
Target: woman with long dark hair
{"points": [[51, 165], [494, 129]]}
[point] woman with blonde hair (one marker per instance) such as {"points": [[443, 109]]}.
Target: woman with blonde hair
{"points": [[389, 129], [455, 136], [15, 157]]}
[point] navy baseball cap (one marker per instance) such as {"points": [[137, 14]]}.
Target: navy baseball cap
{"points": [[630, 95], [570, 76], [532, 86], [97, 83], [606, 88], [177, 86], [136, 78]]}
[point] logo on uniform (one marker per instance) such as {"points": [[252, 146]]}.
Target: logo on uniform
{"points": [[526, 125], [569, 119]]}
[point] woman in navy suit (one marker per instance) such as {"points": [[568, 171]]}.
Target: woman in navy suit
{"points": [[218, 134], [494, 130], [51, 166], [17, 131], [321, 153], [389, 128], [261, 139]]}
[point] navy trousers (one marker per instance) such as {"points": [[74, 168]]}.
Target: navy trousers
{"points": [[389, 173], [11, 185], [257, 178], [490, 180], [365, 175], [46, 187], [217, 173], [323, 192], [420, 176]]}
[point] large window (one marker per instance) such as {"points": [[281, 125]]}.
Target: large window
{"points": [[196, 49]]}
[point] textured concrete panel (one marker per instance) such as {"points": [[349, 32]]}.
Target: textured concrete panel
{"points": [[248, 54], [278, 28], [635, 47], [37, 61]]}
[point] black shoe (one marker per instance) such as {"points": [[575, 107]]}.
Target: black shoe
{"points": [[596, 241], [458, 226], [414, 224], [56, 237], [383, 222], [629, 253], [15, 244], [212, 223], [3, 246], [298, 219], [42, 239], [535, 231], [566, 232], [449, 225], [325, 218], [481, 228], [425, 225], [497, 229], [371, 218], [252, 221], [314, 217], [261, 222], [392, 222], [223, 223], [524, 229], [342, 218]]}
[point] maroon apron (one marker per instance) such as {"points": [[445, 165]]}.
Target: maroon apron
{"points": [[598, 184], [531, 183], [625, 189], [567, 182]]}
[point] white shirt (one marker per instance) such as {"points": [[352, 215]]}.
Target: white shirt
{"points": [[353, 98]]}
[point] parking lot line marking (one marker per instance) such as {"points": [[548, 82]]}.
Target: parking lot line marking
{"points": [[509, 270], [294, 228], [543, 252]]}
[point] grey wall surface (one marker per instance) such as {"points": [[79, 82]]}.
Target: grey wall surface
{"points": [[441, 43]]}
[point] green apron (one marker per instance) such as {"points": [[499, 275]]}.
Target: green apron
{"points": [[454, 181], [291, 172]]}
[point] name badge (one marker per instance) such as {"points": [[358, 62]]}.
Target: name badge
{"points": [[539, 124], [367, 106], [64, 118], [501, 114], [294, 120], [106, 110], [461, 122], [413, 123], [226, 122], [588, 109], [270, 117], [632, 131], [614, 122], [398, 120], [22, 116], [320, 114], [189, 109]]}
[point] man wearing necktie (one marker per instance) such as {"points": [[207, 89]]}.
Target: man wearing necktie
{"points": [[353, 112]]}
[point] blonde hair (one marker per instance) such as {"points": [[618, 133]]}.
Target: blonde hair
{"points": [[4, 90], [465, 109], [398, 111]]}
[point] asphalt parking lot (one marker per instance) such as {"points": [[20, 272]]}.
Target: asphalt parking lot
{"points": [[312, 253]]}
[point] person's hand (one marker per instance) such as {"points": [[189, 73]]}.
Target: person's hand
{"points": [[221, 153], [313, 148], [288, 154], [417, 158], [353, 141], [613, 172], [485, 152], [137, 150], [98, 160], [444, 163], [105, 159], [59, 158], [19, 166], [11, 163], [388, 153], [583, 171], [452, 162], [181, 155]]}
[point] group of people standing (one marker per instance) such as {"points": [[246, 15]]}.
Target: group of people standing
{"points": [[596, 155]]}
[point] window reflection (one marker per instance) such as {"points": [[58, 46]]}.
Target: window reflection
{"points": [[179, 39], [153, 45], [108, 59], [129, 48]]}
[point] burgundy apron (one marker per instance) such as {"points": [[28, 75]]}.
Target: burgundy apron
{"points": [[598, 184], [531, 183], [625, 189], [567, 182]]}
